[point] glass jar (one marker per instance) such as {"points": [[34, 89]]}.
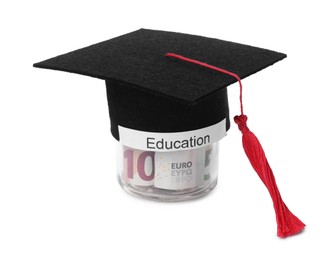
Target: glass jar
{"points": [[168, 176]]}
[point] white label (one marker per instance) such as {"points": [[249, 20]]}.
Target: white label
{"points": [[175, 141]]}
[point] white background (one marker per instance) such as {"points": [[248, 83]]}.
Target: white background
{"points": [[59, 197]]}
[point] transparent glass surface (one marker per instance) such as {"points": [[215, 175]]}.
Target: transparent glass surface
{"points": [[168, 176]]}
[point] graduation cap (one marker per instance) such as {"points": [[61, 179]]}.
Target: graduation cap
{"points": [[160, 81]]}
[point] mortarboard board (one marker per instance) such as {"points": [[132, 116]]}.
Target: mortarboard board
{"points": [[148, 91]]}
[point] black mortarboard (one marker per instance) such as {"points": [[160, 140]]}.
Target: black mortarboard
{"points": [[150, 91]]}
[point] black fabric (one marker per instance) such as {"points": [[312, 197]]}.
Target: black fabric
{"points": [[141, 110], [138, 58], [151, 92]]}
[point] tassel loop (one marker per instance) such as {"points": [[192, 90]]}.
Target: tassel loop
{"points": [[241, 121]]}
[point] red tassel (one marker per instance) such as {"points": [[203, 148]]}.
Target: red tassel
{"points": [[287, 223]]}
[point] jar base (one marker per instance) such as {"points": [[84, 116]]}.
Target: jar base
{"points": [[155, 194]]}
